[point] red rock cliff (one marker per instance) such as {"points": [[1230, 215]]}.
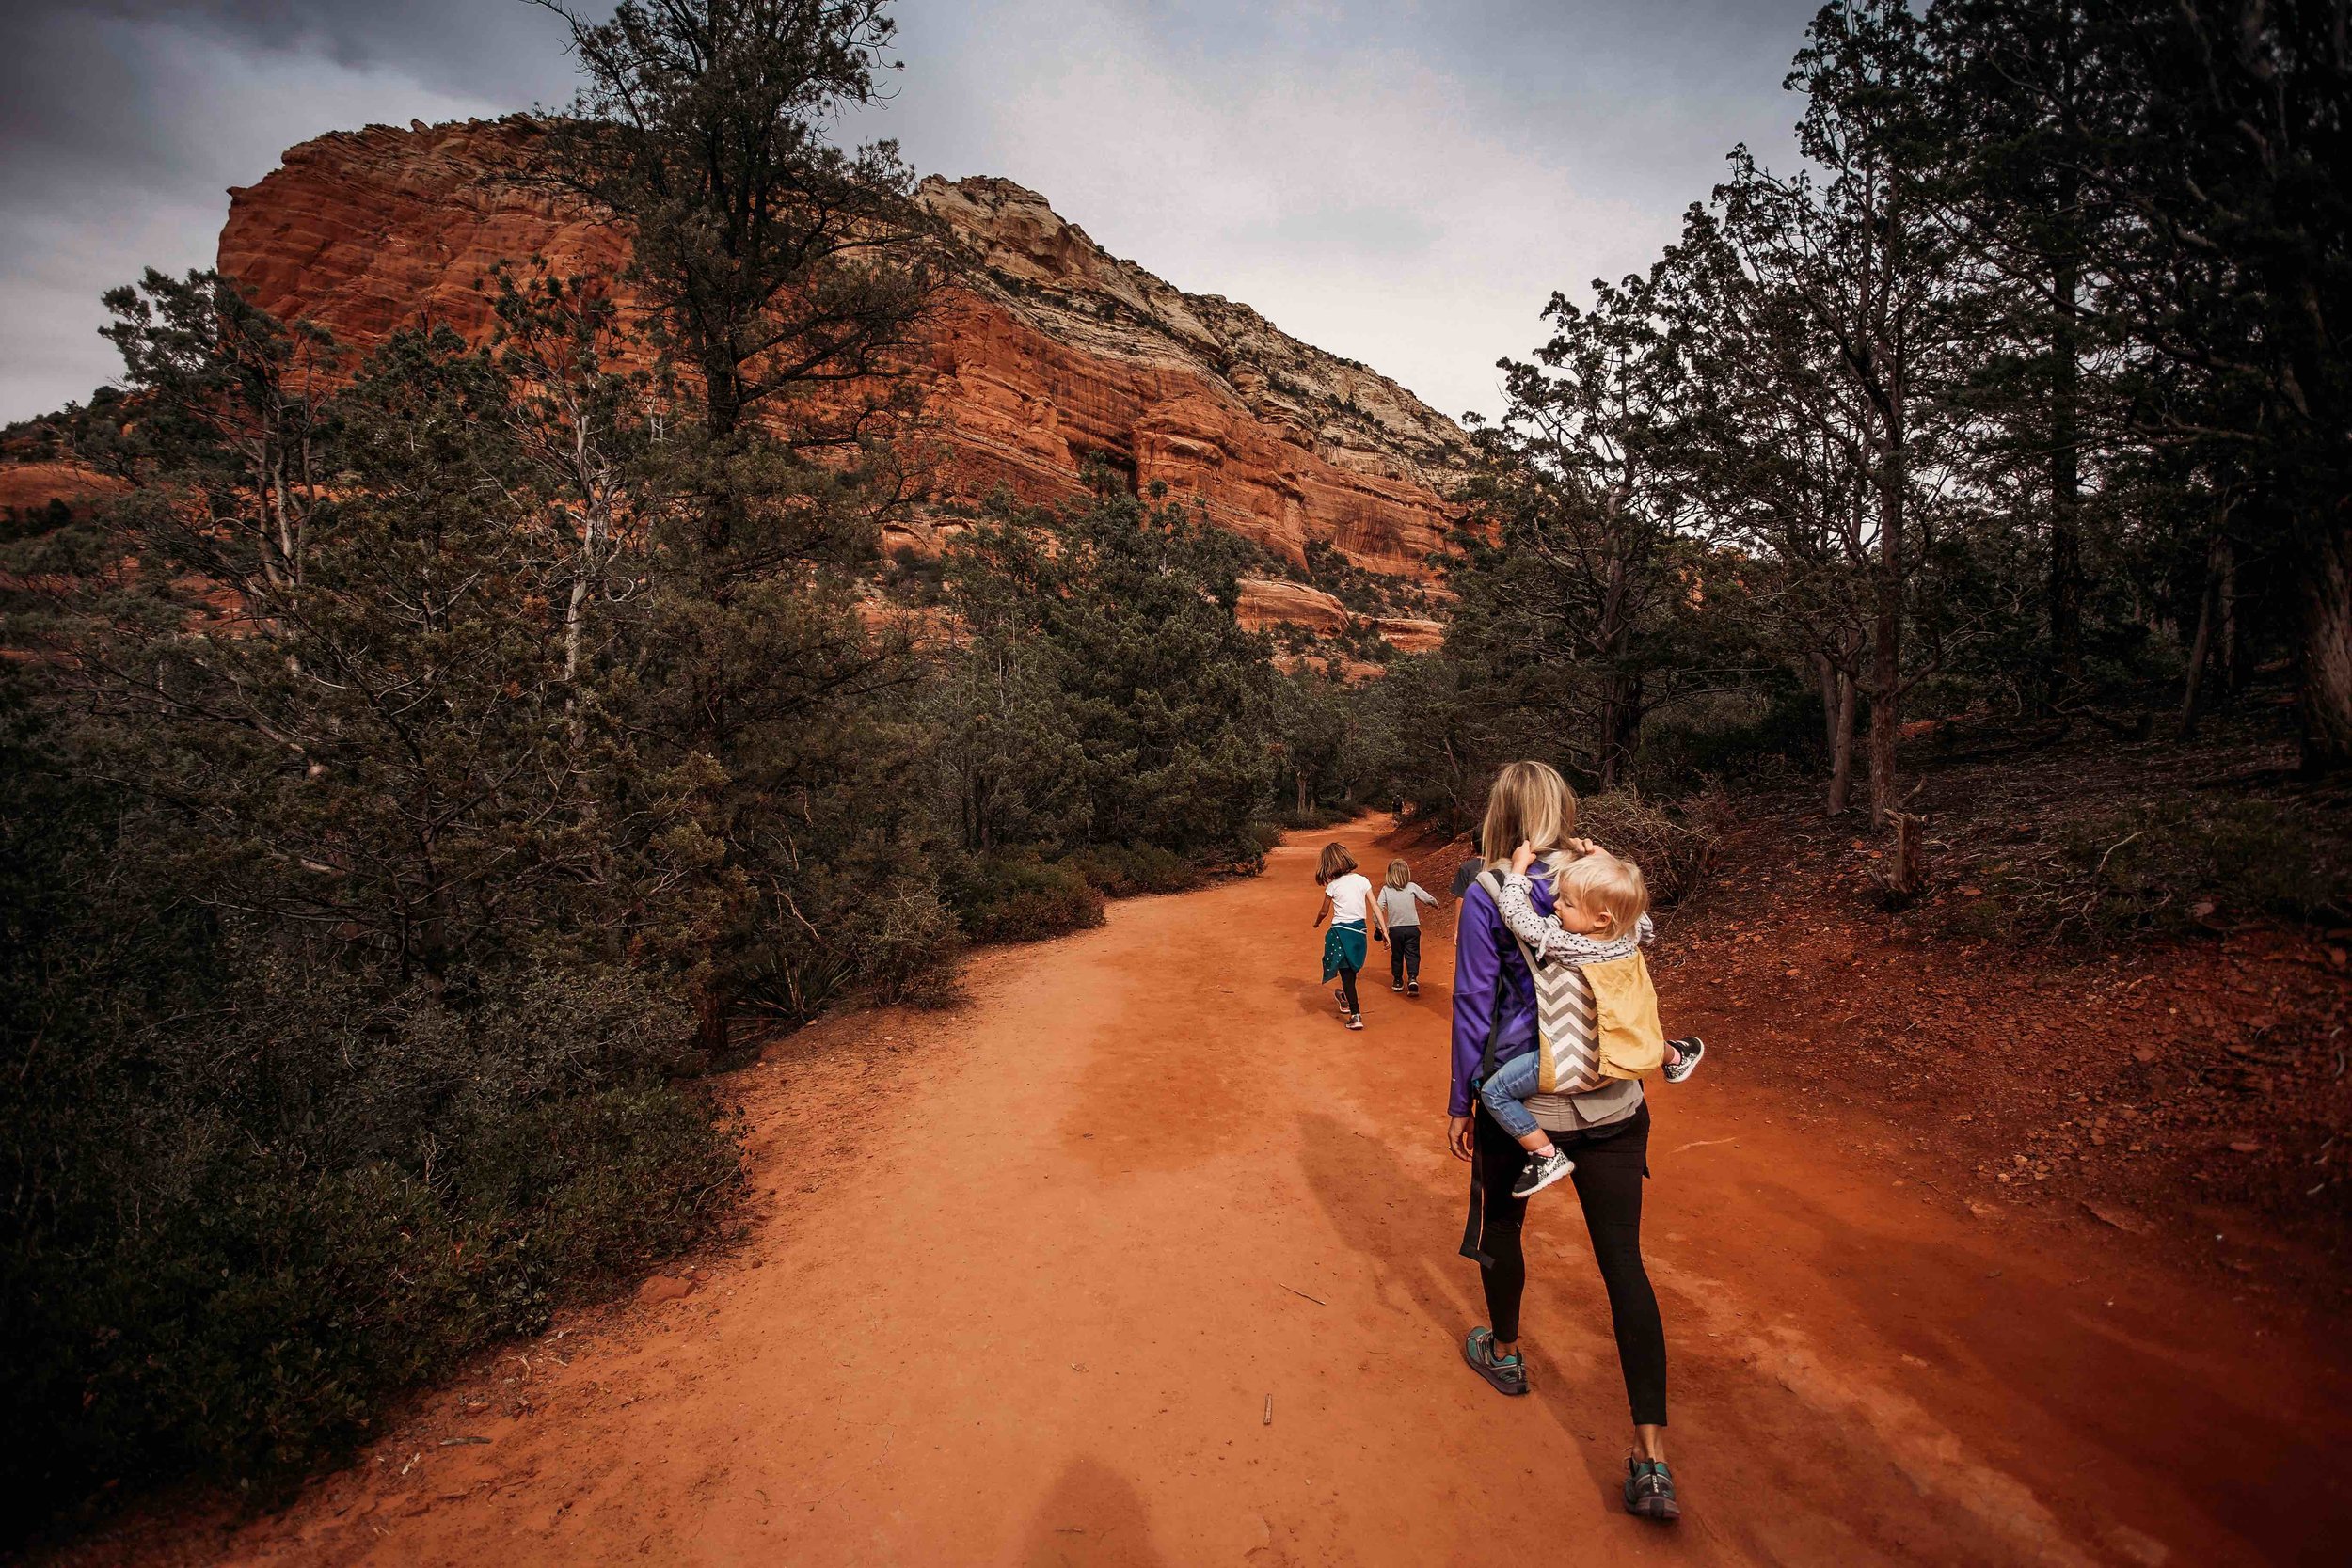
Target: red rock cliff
{"points": [[1054, 354]]}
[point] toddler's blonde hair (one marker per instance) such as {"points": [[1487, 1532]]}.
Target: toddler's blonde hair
{"points": [[1399, 873], [1604, 884]]}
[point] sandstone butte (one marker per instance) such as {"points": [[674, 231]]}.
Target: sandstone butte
{"points": [[1050, 354]]}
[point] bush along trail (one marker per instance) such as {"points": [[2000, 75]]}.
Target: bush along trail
{"points": [[1141, 1259]]}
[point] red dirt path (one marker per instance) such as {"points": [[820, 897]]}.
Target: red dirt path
{"points": [[1021, 1295]]}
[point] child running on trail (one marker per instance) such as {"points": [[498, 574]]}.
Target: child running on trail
{"points": [[1399, 911], [1348, 903], [1601, 915]]}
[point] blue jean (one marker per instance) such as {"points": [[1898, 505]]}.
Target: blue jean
{"points": [[1512, 1083]]}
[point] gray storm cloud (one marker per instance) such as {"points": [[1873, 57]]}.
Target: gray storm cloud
{"points": [[1401, 184]]}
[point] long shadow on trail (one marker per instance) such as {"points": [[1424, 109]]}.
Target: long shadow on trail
{"points": [[1313, 997], [2061, 1362], [1094, 1516], [1820, 1487], [1381, 1211]]}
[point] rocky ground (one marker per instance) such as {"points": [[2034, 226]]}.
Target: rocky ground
{"points": [[2190, 1089]]}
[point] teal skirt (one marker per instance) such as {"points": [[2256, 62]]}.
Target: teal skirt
{"points": [[1342, 948]]}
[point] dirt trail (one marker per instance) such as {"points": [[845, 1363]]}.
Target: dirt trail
{"points": [[1024, 1297]]}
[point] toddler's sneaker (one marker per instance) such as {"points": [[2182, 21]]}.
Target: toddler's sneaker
{"points": [[1691, 1050], [1397, 986], [1542, 1173], [1412, 988]]}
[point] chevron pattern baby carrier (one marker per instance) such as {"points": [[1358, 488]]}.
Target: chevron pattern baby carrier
{"points": [[1593, 1022]]}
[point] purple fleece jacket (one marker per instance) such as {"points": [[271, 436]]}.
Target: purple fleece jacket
{"points": [[1482, 947]]}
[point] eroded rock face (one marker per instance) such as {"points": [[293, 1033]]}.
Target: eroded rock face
{"points": [[1055, 355], [1267, 603]]}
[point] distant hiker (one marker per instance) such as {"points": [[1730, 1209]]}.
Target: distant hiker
{"points": [[1468, 871], [1595, 1009], [1605, 1131], [1399, 911], [1348, 902]]}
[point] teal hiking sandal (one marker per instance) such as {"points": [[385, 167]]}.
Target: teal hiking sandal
{"points": [[1649, 1490], [1508, 1373]]}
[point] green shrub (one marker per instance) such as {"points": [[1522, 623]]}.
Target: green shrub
{"points": [[1761, 736], [1673, 848], [1015, 896], [256, 1224], [2167, 866], [1122, 871]]}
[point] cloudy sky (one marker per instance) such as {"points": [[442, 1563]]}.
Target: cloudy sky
{"points": [[1404, 183]]}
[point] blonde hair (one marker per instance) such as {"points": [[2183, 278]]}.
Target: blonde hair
{"points": [[1602, 884], [1399, 873], [1529, 803], [1336, 861]]}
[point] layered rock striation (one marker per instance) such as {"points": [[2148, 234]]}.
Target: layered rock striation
{"points": [[1050, 355]]}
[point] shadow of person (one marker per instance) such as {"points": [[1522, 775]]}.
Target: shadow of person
{"points": [[1314, 996], [1094, 1516], [1414, 1240]]}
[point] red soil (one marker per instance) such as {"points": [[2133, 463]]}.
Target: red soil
{"points": [[1023, 1278]]}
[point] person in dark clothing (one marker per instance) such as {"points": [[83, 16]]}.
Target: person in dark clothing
{"points": [[1467, 872], [1605, 1131]]}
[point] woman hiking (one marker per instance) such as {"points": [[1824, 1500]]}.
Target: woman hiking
{"points": [[1348, 902], [1605, 1131]]}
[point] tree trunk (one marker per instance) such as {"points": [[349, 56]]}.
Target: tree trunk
{"points": [[710, 1021], [2236, 655], [2066, 551], [2201, 644], [723, 394], [1886, 646], [1841, 748], [2066, 554], [1908, 876], [1827, 674], [1620, 729], [2326, 654]]}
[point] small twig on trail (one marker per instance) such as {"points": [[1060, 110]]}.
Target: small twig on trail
{"points": [[453, 1442], [1704, 1143], [1303, 1296], [1269, 1411], [2111, 849]]}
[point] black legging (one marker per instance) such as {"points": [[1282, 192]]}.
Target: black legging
{"points": [[1609, 1174], [1347, 988]]}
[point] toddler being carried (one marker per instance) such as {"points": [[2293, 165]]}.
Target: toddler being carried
{"points": [[1595, 1007]]}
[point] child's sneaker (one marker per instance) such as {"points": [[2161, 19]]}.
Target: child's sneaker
{"points": [[1691, 1051], [1355, 1021], [1412, 988], [1542, 1173], [1397, 986]]}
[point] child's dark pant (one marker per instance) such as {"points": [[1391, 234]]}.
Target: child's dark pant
{"points": [[1403, 953]]}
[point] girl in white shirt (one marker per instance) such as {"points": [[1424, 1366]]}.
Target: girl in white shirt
{"points": [[1400, 911], [1348, 902]]}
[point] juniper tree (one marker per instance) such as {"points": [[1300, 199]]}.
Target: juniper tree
{"points": [[1588, 576]]}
